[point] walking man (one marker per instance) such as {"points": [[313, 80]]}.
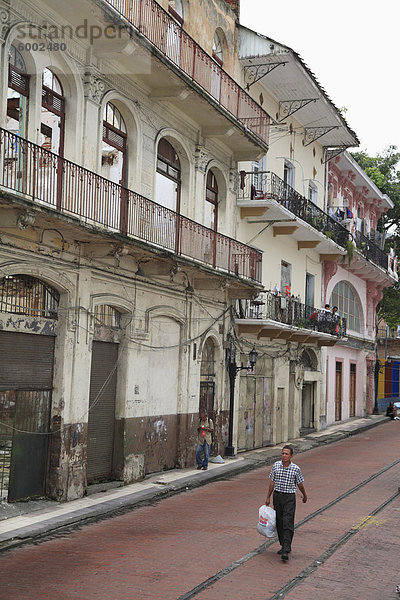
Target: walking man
{"points": [[205, 429], [284, 478]]}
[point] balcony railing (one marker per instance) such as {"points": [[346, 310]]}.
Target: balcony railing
{"points": [[155, 24], [263, 185], [371, 250], [290, 311], [60, 184]]}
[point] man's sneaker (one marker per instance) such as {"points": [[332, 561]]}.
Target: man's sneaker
{"points": [[199, 468], [285, 556], [204, 468]]}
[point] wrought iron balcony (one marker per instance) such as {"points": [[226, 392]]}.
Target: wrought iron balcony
{"points": [[157, 26], [265, 185], [48, 180], [287, 310], [371, 250]]}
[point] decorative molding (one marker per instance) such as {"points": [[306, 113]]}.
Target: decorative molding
{"points": [[330, 269], [26, 218], [94, 87], [201, 159], [5, 22]]}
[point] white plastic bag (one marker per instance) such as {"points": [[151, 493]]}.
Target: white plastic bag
{"points": [[266, 525]]}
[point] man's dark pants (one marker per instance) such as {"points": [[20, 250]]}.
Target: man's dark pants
{"points": [[285, 508]]}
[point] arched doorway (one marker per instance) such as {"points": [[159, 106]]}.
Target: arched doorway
{"points": [[168, 176], [102, 394], [17, 122], [211, 208], [113, 151], [308, 362], [26, 383], [207, 383], [17, 94], [52, 114]]}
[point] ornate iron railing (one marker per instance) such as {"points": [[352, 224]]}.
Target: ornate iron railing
{"points": [[371, 250], [156, 25], [48, 179], [290, 311], [263, 185]]}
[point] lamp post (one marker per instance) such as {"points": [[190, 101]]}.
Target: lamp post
{"points": [[378, 369], [233, 370]]}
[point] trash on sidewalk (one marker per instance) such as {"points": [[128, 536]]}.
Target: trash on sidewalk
{"points": [[217, 459]]}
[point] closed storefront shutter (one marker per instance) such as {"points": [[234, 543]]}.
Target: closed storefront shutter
{"points": [[26, 361], [103, 381]]}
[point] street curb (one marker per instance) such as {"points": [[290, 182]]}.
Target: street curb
{"points": [[118, 506]]}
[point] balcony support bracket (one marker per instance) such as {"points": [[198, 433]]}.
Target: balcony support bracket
{"points": [[253, 73], [332, 152], [289, 107], [314, 133]]}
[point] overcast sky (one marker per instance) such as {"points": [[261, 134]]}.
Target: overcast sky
{"points": [[352, 47]]}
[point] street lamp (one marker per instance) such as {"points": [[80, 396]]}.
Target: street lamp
{"points": [[378, 369], [233, 370]]}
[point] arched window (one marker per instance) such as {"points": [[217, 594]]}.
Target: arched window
{"points": [[17, 93], [217, 48], [211, 216], [26, 295], [345, 299], [308, 361], [53, 113], [176, 9], [207, 367], [113, 153], [107, 316], [168, 176]]}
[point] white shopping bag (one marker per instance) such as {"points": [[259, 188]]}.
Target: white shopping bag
{"points": [[266, 525]]}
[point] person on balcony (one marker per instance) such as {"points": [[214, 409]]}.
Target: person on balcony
{"points": [[324, 318], [335, 321]]}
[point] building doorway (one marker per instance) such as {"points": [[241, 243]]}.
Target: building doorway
{"points": [[26, 383], [352, 395], [307, 408], [102, 395], [338, 391]]}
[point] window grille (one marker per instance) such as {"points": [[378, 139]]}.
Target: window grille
{"points": [[26, 295], [107, 316]]}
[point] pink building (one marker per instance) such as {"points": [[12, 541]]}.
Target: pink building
{"points": [[354, 283]]}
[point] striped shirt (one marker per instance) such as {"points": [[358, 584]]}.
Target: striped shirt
{"points": [[286, 479]]}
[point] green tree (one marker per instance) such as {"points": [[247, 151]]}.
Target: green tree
{"points": [[384, 172], [389, 307]]}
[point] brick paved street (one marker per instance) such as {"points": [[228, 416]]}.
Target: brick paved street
{"points": [[165, 550]]}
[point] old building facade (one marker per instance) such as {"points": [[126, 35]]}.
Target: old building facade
{"points": [[283, 212], [121, 132], [164, 212], [355, 285]]}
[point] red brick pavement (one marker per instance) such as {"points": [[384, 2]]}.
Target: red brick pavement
{"points": [[164, 550]]}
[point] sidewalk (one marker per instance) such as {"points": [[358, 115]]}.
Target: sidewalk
{"points": [[24, 521]]}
